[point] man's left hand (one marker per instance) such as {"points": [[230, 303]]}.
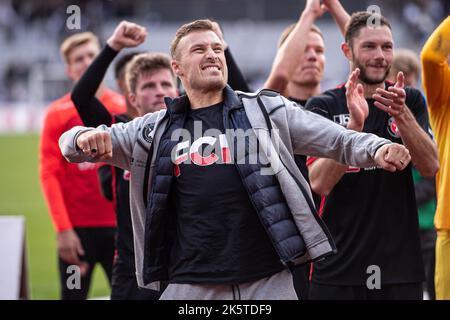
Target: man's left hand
{"points": [[392, 100]]}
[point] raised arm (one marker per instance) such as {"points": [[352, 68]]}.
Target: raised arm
{"points": [[339, 14], [92, 112], [289, 55], [435, 68]]}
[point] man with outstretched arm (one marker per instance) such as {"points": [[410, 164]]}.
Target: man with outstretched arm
{"points": [[240, 229]]}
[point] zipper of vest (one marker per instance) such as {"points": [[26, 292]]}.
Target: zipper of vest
{"points": [[227, 126]]}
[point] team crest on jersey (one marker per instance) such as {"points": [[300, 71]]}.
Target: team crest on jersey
{"points": [[146, 132], [393, 129], [126, 175], [342, 119]]}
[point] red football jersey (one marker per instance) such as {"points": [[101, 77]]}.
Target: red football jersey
{"points": [[72, 190]]}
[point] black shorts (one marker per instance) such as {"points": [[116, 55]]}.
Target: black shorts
{"points": [[98, 245], [407, 291]]}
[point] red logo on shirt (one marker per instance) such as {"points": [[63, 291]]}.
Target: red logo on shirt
{"points": [[186, 152]]}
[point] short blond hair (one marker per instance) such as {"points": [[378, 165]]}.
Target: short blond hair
{"points": [[287, 31], [146, 63], [407, 61], [184, 30], [77, 40]]}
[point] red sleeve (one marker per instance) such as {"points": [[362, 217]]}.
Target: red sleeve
{"points": [[50, 164]]}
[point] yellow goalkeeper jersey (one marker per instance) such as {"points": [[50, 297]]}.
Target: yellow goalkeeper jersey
{"points": [[436, 82]]}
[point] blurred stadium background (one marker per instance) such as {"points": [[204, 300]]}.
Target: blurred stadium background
{"points": [[32, 75]]}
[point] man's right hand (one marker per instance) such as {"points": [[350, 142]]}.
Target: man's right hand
{"points": [[127, 35], [96, 143], [356, 102], [69, 246], [392, 157]]}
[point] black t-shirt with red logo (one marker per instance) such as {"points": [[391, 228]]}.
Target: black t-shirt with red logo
{"points": [[371, 213], [219, 238]]}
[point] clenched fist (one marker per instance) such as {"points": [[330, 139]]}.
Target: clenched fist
{"points": [[392, 157], [127, 35], [95, 143]]}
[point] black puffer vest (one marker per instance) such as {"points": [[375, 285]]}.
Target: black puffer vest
{"points": [[263, 190]]}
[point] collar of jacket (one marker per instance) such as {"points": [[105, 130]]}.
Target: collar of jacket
{"points": [[181, 104]]}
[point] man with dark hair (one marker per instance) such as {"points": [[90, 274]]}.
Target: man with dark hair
{"points": [[362, 20], [227, 220], [372, 213]]}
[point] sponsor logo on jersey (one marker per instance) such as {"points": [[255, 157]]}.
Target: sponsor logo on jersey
{"points": [[342, 119]]}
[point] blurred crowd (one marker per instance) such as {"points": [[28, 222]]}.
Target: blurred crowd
{"points": [[26, 78]]}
